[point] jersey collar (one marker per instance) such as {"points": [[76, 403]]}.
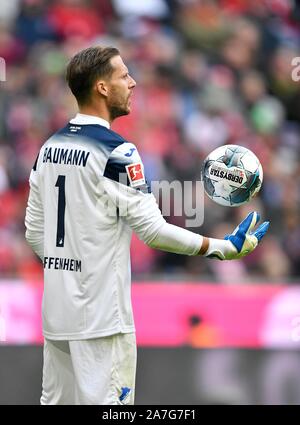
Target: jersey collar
{"points": [[89, 119]]}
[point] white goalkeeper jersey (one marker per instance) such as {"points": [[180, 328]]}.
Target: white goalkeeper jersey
{"points": [[87, 191]]}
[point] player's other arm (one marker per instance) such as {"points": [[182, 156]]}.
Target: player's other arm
{"points": [[34, 218]]}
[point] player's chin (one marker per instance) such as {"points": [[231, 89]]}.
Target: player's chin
{"points": [[128, 106], [127, 109], [119, 112]]}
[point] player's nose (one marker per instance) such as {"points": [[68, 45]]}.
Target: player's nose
{"points": [[132, 83]]}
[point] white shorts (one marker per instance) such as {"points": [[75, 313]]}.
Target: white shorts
{"points": [[92, 371]]}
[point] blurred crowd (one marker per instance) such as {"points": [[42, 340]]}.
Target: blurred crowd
{"points": [[208, 72]]}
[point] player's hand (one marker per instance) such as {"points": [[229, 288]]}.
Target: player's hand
{"points": [[243, 240]]}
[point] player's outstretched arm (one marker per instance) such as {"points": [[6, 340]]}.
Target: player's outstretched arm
{"points": [[141, 213], [240, 242]]}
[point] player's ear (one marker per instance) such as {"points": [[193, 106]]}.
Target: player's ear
{"points": [[102, 88]]}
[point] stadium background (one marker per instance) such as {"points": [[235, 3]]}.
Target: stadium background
{"points": [[209, 72]]}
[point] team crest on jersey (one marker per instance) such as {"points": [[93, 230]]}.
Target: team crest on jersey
{"points": [[135, 174]]}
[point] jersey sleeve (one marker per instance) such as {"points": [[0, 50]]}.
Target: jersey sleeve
{"points": [[125, 166], [126, 185], [127, 188], [34, 217]]}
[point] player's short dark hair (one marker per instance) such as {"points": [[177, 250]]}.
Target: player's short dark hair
{"points": [[86, 67]]}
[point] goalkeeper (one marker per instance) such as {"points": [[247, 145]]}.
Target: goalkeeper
{"points": [[79, 220]]}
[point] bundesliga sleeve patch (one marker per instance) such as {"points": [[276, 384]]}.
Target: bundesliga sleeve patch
{"points": [[135, 174]]}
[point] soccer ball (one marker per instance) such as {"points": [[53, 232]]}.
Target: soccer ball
{"points": [[232, 175]]}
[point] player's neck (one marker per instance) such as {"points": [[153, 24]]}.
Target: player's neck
{"points": [[96, 112]]}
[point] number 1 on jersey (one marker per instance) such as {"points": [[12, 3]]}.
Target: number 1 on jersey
{"points": [[60, 232]]}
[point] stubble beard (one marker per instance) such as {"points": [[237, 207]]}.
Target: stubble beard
{"points": [[118, 107], [117, 111]]}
